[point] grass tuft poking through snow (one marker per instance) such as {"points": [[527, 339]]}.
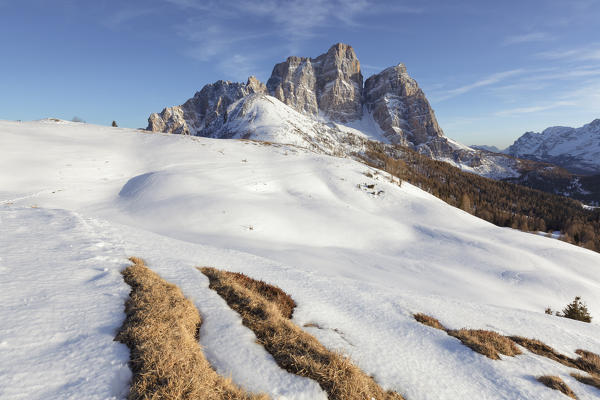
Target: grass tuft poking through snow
{"points": [[161, 330], [429, 321], [554, 382], [488, 343], [587, 361], [271, 293], [591, 380], [293, 349]]}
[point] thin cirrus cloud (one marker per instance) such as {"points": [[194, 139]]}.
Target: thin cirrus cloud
{"points": [[126, 15], [213, 31], [487, 81], [527, 38], [534, 109], [588, 53], [217, 28]]}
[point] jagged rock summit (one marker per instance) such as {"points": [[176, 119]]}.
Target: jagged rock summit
{"points": [[400, 107], [328, 87], [576, 149], [322, 103], [206, 111]]}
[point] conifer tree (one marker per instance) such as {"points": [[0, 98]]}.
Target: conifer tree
{"points": [[577, 310]]}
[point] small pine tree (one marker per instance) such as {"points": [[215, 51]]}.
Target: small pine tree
{"points": [[114, 124], [577, 310]]}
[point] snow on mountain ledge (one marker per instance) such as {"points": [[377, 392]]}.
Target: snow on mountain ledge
{"points": [[355, 263]]}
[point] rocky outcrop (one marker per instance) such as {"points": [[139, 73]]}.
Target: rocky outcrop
{"points": [[206, 112], [329, 85], [400, 107]]}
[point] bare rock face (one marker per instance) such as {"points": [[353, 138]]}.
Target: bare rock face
{"points": [[329, 85], [206, 112], [400, 107]]}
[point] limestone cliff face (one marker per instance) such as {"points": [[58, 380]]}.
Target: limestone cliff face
{"points": [[306, 102], [206, 111], [400, 107], [329, 85]]}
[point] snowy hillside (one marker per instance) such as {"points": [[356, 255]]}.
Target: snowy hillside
{"points": [[358, 252], [576, 149]]}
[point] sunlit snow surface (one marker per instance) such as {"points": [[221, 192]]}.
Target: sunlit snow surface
{"points": [[357, 260]]}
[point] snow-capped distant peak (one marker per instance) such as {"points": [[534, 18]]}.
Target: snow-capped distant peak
{"points": [[576, 149]]}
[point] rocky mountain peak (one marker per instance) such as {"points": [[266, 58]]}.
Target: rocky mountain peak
{"points": [[593, 126], [206, 111], [400, 107], [575, 149], [329, 85]]}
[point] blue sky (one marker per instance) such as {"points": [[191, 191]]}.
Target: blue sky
{"points": [[491, 70]]}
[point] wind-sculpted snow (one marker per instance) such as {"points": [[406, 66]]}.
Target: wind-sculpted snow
{"points": [[358, 265]]}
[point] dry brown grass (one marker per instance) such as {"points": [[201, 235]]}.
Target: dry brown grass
{"points": [[271, 293], [161, 330], [554, 382], [591, 380], [429, 321], [542, 349], [587, 361], [292, 348], [488, 343]]}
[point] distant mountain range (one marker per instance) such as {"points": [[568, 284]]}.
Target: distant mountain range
{"points": [[493, 149], [575, 149]]}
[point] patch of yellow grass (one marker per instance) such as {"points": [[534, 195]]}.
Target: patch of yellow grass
{"points": [[591, 380], [554, 382], [262, 309], [161, 330], [587, 361], [488, 343], [429, 321]]}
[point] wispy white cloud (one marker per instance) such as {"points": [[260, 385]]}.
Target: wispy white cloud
{"points": [[586, 96], [582, 95], [487, 81], [527, 38], [237, 66], [587, 53], [534, 109], [217, 29], [126, 15]]}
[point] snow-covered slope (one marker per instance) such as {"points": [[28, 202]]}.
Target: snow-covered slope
{"points": [[576, 149], [358, 260]]}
